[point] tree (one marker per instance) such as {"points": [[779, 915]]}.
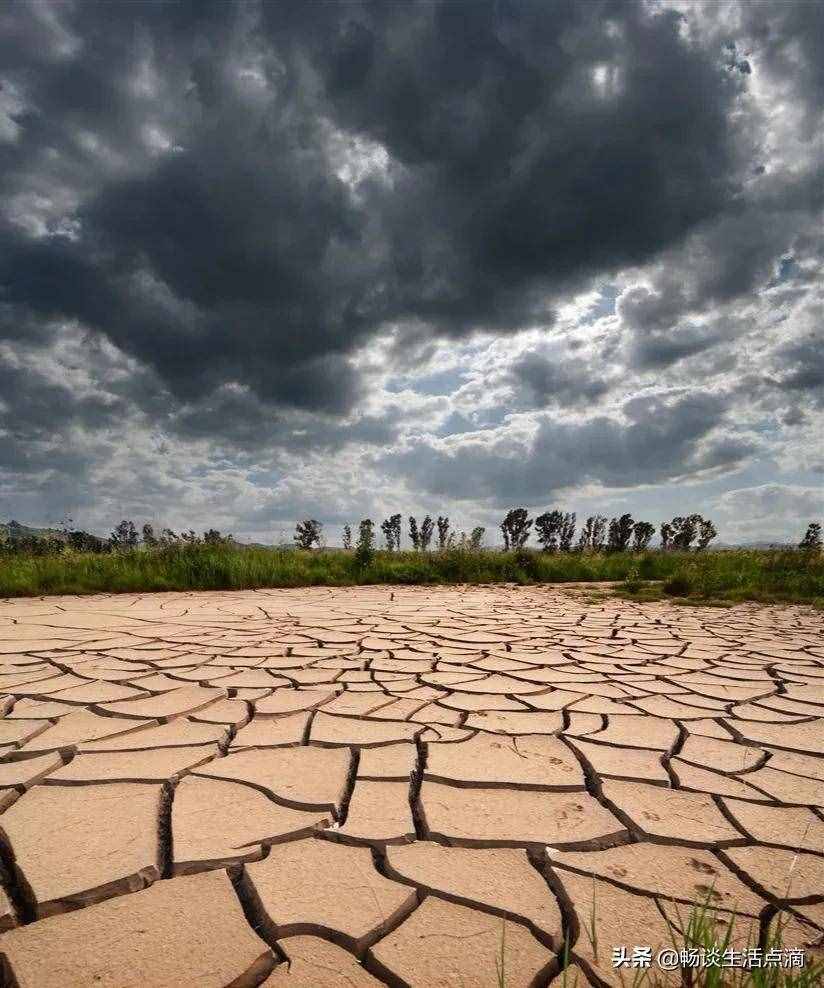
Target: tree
{"points": [[427, 530], [620, 533], [347, 537], [307, 533], [548, 527], [213, 537], [476, 539], [706, 533], [592, 534], [684, 531], [149, 538], [516, 527], [666, 536], [124, 537], [443, 532], [642, 534], [388, 533], [414, 534], [168, 538], [395, 522], [812, 538], [86, 542], [365, 549], [567, 532]]}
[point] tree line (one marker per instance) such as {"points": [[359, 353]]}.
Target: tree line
{"points": [[554, 531]]}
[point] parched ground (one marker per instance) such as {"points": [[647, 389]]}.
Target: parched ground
{"points": [[364, 786]]}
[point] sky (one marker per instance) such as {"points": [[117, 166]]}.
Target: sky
{"points": [[268, 261]]}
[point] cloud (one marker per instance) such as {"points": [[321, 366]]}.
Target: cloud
{"points": [[487, 251], [658, 439]]}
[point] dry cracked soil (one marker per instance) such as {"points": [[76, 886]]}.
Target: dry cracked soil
{"points": [[398, 786]]}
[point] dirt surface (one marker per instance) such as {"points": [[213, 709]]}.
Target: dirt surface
{"points": [[400, 786]]}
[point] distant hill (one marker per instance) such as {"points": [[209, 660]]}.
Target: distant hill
{"points": [[14, 530]]}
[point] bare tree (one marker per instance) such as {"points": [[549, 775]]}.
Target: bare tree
{"points": [[567, 532], [812, 538], [443, 532], [548, 528], [307, 533], [347, 537], [620, 533], [642, 534], [516, 528]]}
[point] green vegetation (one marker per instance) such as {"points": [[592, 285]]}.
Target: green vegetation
{"points": [[765, 575], [717, 942], [769, 576]]}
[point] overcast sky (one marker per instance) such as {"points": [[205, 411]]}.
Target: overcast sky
{"points": [[268, 261]]}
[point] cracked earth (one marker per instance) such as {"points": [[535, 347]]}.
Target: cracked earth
{"points": [[346, 787]]}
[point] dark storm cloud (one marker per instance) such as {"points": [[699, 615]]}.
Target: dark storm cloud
{"points": [[542, 379], [657, 334], [230, 203], [514, 170], [661, 439]]}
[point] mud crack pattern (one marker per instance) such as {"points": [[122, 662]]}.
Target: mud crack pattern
{"points": [[367, 786]]}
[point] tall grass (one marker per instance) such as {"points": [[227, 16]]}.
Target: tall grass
{"points": [[787, 575]]}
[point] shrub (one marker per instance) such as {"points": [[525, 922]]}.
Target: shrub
{"points": [[678, 586]]}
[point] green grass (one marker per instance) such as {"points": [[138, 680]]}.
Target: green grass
{"points": [[729, 575], [700, 930]]}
